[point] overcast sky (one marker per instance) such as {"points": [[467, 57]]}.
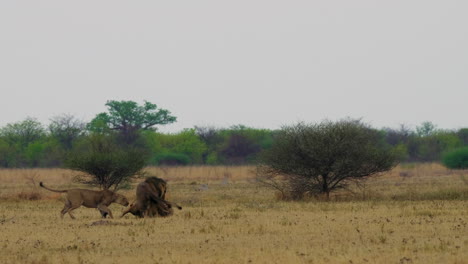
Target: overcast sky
{"points": [[259, 63]]}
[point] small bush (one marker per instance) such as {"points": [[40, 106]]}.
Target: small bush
{"points": [[456, 159]]}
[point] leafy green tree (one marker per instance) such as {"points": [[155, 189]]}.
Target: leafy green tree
{"points": [[16, 139], [320, 158], [128, 118], [34, 152], [176, 149], [23, 133]]}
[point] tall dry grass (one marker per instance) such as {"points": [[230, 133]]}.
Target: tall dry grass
{"points": [[203, 174], [406, 181], [229, 219]]}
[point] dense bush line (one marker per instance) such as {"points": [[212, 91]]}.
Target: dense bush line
{"points": [[29, 143]]}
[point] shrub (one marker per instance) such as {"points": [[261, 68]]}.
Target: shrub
{"points": [[456, 159], [319, 158], [107, 163]]}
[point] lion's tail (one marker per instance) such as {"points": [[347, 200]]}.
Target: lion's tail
{"points": [[52, 190]]}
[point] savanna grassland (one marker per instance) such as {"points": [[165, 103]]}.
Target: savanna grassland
{"points": [[412, 214]]}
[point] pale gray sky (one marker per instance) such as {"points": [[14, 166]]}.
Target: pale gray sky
{"points": [[259, 63]]}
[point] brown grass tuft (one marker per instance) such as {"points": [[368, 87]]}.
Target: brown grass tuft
{"points": [[31, 195]]}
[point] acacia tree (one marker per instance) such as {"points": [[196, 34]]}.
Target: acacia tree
{"points": [[105, 163], [320, 158], [127, 118]]}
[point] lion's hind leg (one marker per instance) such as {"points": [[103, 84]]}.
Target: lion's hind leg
{"points": [[104, 211], [73, 207], [65, 209]]}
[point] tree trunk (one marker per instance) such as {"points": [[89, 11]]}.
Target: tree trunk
{"points": [[325, 186]]}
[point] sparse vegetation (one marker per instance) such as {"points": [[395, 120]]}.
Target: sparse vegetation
{"points": [[415, 213], [411, 214]]}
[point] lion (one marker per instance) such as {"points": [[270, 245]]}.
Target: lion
{"points": [[150, 199], [158, 185], [89, 198]]}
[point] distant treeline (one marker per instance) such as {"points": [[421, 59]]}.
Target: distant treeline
{"points": [[29, 143]]}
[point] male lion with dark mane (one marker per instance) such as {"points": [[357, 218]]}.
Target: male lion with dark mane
{"points": [[89, 198], [150, 199]]}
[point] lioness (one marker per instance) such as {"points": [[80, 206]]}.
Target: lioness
{"points": [[150, 201], [89, 198]]}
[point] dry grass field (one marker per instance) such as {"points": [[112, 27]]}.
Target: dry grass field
{"points": [[413, 214]]}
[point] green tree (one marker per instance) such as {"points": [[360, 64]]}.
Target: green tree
{"points": [[23, 133], [463, 135], [17, 137], [320, 158], [456, 159], [66, 129], [6, 154], [398, 136], [427, 128], [34, 152], [242, 144], [176, 149], [212, 138], [239, 148], [431, 148], [53, 153], [128, 118]]}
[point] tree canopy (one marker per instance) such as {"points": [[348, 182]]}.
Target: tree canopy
{"points": [[28, 143], [127, 117]]}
